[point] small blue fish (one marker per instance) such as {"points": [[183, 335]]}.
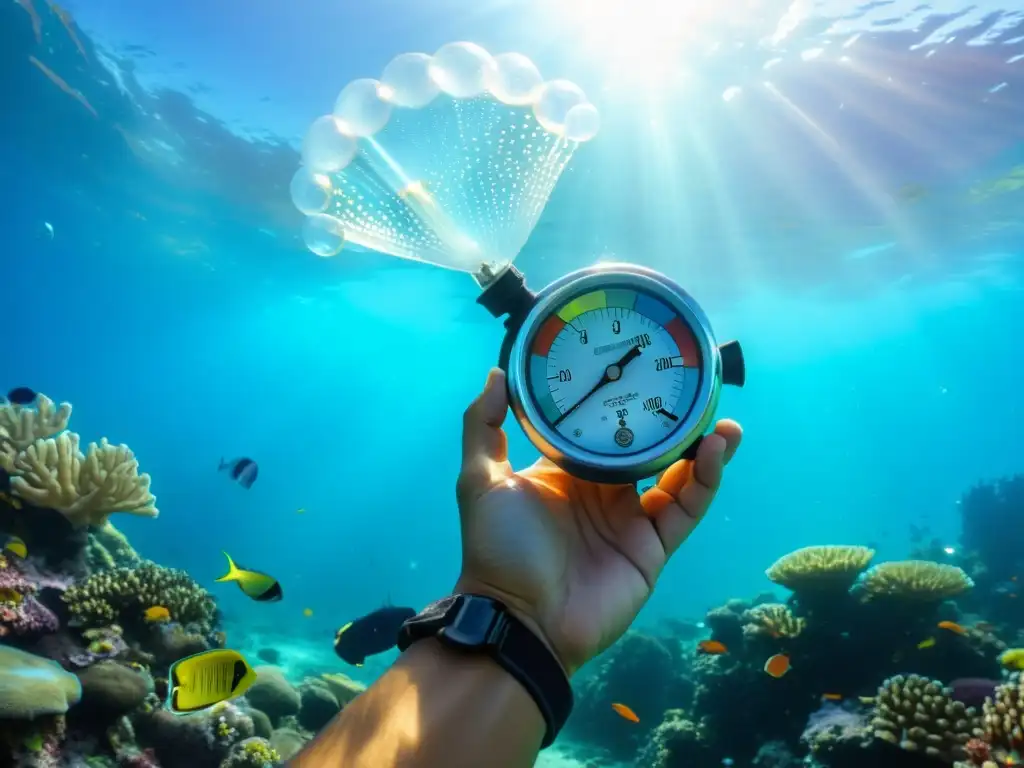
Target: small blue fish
{"points": [[243, 471]]}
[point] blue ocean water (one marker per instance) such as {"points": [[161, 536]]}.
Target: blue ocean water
{"points": [[828, 180]]}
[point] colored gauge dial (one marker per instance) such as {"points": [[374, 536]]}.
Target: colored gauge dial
{"points": [[615, 371]]}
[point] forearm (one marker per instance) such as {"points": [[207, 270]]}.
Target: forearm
{"points": [[435, 708]]}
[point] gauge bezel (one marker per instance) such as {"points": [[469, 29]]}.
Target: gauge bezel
{"points": [[585, 464]]}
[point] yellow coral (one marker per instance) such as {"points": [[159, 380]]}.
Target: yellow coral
{"points": [[920, 715], [85, 488], [920, 580], [773, 620], [829, 567], [21, 426]]}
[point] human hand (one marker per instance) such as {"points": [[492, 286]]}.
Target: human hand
{"points": [[574, 560]]}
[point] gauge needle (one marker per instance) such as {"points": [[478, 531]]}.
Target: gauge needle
{"points": [[612, 373]]}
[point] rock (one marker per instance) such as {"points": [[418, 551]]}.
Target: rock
{"points": [[261, 723], [272, 694], [344, 688], [110, 689], [287, 742], [318, 705]]}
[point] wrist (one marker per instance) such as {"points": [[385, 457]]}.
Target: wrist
{"points": [[520, 610]]}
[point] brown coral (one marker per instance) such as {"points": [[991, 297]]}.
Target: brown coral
{"points": [[920, 715], [772, 620], [823, 568], [918, 580]]}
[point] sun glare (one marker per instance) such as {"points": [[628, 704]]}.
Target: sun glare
{"points": [[643, 42]]}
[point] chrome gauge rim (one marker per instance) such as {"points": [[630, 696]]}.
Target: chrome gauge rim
{"points": [[571, 457]]}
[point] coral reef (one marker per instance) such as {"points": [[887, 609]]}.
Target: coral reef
{"points": [[624, 675], [772, 620], [821, 568], [22, 616], [273, 695], [122, 595], [31, 686], [21, 426], [919, 715], [914, 580], [86, 488]]}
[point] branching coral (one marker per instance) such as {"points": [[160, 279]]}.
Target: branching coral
{"points": [[21, 426], [1004, 716], [917, 580], [86, 488], [122, 595], [824, 568], [772, 620], [920, 715]]}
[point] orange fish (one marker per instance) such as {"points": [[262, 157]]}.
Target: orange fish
{"points": [[712, 647], [952, 626], [626, 713], [777, 665], [832, 696]]}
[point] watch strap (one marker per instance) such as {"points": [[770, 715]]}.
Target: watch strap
{"points": [[471, 623]]}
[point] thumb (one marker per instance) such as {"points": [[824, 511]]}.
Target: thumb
{"points": [[484, 444]]}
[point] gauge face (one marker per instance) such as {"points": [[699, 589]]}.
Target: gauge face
{"points": [[614, 371]]}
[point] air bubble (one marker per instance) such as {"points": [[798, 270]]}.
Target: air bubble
{"points": [[406, 81], [582, 122], [323, 235], [515, 79], [554, 102], [361, 109], [326, 149], [462, 70], [310, 191]]}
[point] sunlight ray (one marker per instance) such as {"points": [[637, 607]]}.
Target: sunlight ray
{"points": [[857, 175]]}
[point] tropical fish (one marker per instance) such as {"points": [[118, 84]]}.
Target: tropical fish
{"points": [[1013, 658], [307, 612], [204, 679], [832, 696], [866, 699], [9, 595], [777, 665], [16, 546], [625, 713], [258, 586], [926, 643], [243, 471], [952, 626], [156, 613], [300, 511], [21, 396], [373, 633], [711, 647]]}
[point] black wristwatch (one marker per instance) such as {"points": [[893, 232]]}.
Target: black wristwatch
{"points": [[473, 623]]}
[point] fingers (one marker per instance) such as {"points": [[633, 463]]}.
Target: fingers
{"points": [[686, 489], [484, 444]]}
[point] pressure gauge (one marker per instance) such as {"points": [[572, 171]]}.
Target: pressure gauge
{"points": [[613, 371]]}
